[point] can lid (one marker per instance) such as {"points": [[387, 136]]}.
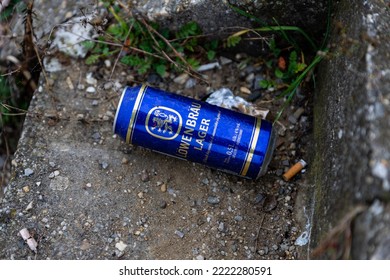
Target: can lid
{"points": [[118, 109]]}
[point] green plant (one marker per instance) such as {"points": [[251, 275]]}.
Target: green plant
{"points": [[146, 46], [284, 76]]}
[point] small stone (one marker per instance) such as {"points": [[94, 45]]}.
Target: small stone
{"points": [[45, 220], [85, 245], [221, 227], [259, 198], [245, 90], [179, 233], [205, 181], [224, 60], [56, 173], [26, 189], [261, 252], [275, 247], [107, 63], [144, 176], [29, 206], [96, 136], [249, 79], [270, 203], [125, 160], [140, 195], [51, 175], [95, 102], [52, 164], [90, 80], [213, 200], [199, 258], [104, 165], [238, 218], [120, 246], [163, 204], [163, 188], [91, 90], [181, 79], [69, 83], [209, 66], [28, 172], [190, 83], [80, 117], [88, 185]]}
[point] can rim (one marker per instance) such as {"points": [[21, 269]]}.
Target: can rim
{"points": [[118, 108]]}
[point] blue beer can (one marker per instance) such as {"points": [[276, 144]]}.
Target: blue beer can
{"points": [[196, 131]]}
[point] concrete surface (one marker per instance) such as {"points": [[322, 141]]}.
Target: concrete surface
{"points": [[352, 128]]}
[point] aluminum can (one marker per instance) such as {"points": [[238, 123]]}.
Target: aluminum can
{"points": [[196, 131]]}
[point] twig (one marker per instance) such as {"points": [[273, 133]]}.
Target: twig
{"points": [[258, 232], [343, 226], [187, 66], [119, 54]]}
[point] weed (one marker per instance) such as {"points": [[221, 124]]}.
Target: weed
{"points": [[286, 74], [148, 46]]}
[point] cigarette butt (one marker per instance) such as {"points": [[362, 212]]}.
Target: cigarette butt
{"points": [[294, 170]]}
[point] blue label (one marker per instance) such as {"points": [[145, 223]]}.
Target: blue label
{"points": [[193, 130]]}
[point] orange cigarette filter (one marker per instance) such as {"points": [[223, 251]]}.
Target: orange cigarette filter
{"points": [[294, 170]]}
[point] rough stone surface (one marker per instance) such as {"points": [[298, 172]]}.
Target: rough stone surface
{"points": [[216, 17], [352, 126]]}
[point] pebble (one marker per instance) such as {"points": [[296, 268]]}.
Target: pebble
{"points": [[270, 203], [245, 90], [205, 181], [29, 206], [121, 246], [221, 227], [144, 176], [104, 165], [181, 79], [213, 200], [95, 103], [179, 233], [91, 90], [190, 83], [259, 198], [28, 172], [88, 185], [225, 60], [199, 258], [238, 218], [125, 160], [96, 136], [140, 195], [90, 80], [163, 204], [52, 164], [163, 188], [209, 66], [107, 63], [26, 189]]}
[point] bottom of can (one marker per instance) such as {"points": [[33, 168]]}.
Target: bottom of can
{"points": [[268, 154]]}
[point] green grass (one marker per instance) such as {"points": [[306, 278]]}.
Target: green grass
{"points": [[297, 70]]}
